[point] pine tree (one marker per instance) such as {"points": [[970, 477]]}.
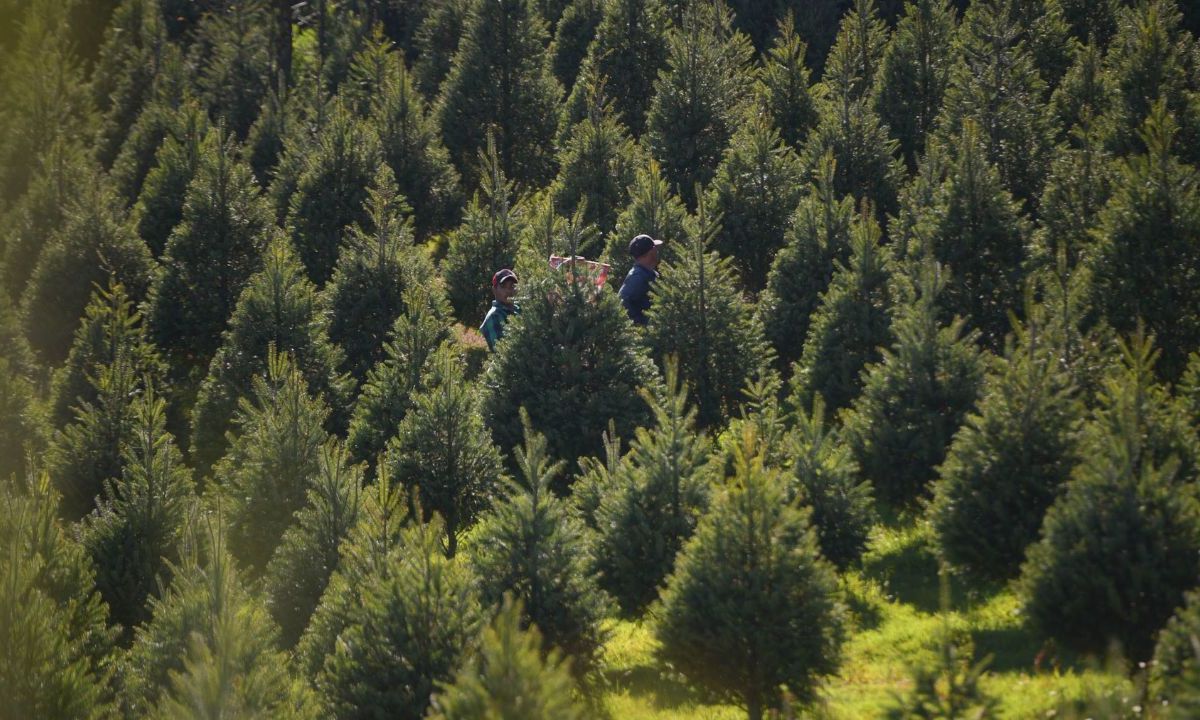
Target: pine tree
{"points": [[851, 324], [485, 241], [914, 73], [816, 22], [1095, 19], [996, 85], [596, 478], [699, 98], [698, 314], [857, 53], [125, 73], [1085, 96], [915, 398], [331, 191], [824, 477], [751, 604], [424, 609], [1173, 671], [387, 393], [375, 265], [163, 192], [783, 86], [1010, 460], [655, 498], [755, 192], [436, 42], [55, 647], [818, 237], [442, 448], [501, 79], [949, 686], [1189, 387], [529, 546], [135, 534], [94, 247], [509, 678], [597, 165], [1078, 187], [572, 36], [627, 53], [654, 210], [208, 259], [23, 431], [278, 308], [235, 70], [274, 457], [300, 568], [570, 360], [1148, 233]]}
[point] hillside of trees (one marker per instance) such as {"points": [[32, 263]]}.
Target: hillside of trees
{"points": [[930, 267]]}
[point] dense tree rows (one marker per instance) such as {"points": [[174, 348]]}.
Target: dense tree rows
{"points": [[932, 257]]}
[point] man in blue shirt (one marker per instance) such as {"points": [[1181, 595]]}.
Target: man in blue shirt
{"points": [[504, 288], [635, 291]]}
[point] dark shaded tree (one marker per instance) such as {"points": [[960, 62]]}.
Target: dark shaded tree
{"points": [[654, 210], [235, 65], [125, 73], [163, 192], [573, 35], [784, 86]]}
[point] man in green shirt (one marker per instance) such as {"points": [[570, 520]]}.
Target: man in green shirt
{"points": [[504, 288]]}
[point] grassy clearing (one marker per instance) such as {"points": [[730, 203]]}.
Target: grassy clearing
{"points": [[899, 608]]}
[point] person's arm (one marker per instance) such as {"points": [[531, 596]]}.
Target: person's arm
{"points": [[488, 329]]}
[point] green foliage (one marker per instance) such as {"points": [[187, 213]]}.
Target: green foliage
{"points": [[160, 203], [1010, 460], [235, 64], [278, 308], [914, 73], [300, 568], [654, 498], [1078, 187], [136, 533], [55, 646], [442, 449], [915, 398], [529, 545], [947, 688], [331, 191], [1172, 677], [125, 73], [752, 605], [94, 246], [855, 58], [424, 609], [1120, 548], [823, 477], [437, 40], [818, 237], [698, 314], [501, 79], [755, 191], [1189, 388], [573, 362], [1085, 95], [783, 86], [699, 96], [572, 36], [1147, 233], [22, 429], [851, 324], [509, 678], [654, 210]]}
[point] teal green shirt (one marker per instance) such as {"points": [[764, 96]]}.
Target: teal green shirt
{"points": [[492, 328]]}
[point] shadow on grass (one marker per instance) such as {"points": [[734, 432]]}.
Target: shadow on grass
{"points": [[664, 689]]}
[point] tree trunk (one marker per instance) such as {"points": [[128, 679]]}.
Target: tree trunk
{"points": [[283, 43]]}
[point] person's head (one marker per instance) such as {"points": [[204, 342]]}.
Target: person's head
{"points": [[644, 250], [504, 285]]}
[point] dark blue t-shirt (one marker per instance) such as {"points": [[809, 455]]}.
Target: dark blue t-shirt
{"points": [[635, 292]]}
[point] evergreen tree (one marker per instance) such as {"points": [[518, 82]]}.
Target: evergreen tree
{"points": [[597, 165], [783, 86], [413, 149], [914, 73], [1173, 670], [627, 53], [655, 498], [572, 36], [22, 429], [160, 203], [996, 84], [425, 609], [947, 687], [235, 67], [136, 532], [1146, 266], [376, 263], [94, 247], [442, 448], [509, 678], [915, 398], [278, 308], [816, 22], [855, 58], [751, 604], [55, 646], [1095, 19], [1010, 460], [596, 478], [125, 72], [570, 360], [1085, 95], [307, 556], [851, 324], [755, 192], [823, 477], [654, 210], [1189, 387], [1080, 184], [331, 191], [817, 238], [208, 259], [436, 41], [485, 241], [387, 393], [530, 546], [699, 315], [501, 79], [699, 97]]}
